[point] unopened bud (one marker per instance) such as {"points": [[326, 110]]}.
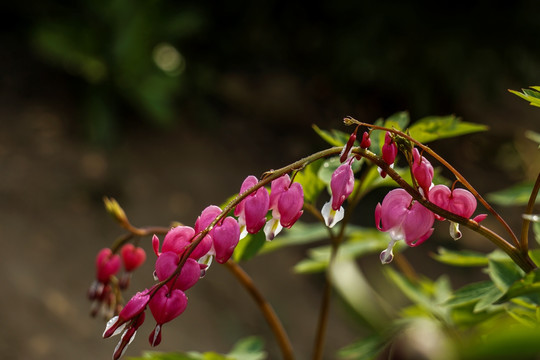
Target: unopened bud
{"points": [[115, 210]]}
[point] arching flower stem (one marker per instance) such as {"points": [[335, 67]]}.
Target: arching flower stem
{"points": [[449, 167], [521, 258]]}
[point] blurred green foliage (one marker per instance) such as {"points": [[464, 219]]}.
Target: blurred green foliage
{"points": [[347, 57]]}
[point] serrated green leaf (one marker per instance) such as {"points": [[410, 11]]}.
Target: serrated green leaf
{"points": [[470, 293], [527, 288], [249, 246], [440, 127], [461, 258], [504, 273], [488, 299], [532, 96], [518, 194]]}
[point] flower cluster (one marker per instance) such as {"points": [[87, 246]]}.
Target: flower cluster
{"points": [[185, 254], [404, 218]]}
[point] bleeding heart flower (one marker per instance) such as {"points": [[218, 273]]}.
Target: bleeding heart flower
{"points": [[132, 257], [341, 185], [403, 219], [457, 201], [286, 202], [107, 264], [422, 171], [166, 265], [179, 239], [252, 210], [165, 306]]}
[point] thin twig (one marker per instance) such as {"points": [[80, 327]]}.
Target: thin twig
{"points": [[266, 309], [528, 211]]}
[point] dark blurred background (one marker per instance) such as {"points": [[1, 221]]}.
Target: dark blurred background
{"points": [[169, 105]]}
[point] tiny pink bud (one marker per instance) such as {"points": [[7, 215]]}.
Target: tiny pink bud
{"points": [[366, 141], [422, 171], [389, 149]]}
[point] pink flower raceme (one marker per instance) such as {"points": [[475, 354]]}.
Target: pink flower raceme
{"points": [[165, 305], [286, 202], [225, 234], [457, 201], [252, 210], [403, 219], [341, 185], [422, 171]]}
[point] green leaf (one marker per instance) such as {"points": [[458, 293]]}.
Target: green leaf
{"points": [[488, 299], [250, 348], [367, 348], [439, 127], [532, 96], [461, 258], [310, 181], [333, 137], [536, 230], [518, 194], [470, 293], [504, 273], [527, 288], [361, 241], [249, 246]]}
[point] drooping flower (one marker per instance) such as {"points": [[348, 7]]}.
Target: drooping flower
{"points": [[107, 265], [179, 239], [166, 265], [128, 335], [134, 307], [403, 219], [389, 151], [132, 257], [252, 210], [457, 201], [165, 306], [286, 202], [366, 141], [341, 185], [422, 171], [225, 234]]}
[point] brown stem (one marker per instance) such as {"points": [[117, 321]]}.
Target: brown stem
{"points": [[265, 307], [528, 211], [453, 170], [519, 257]]}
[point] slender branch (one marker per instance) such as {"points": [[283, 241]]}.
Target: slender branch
{"points": [[452, 169], [265, 307], [528, 211], [520, 258]]}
